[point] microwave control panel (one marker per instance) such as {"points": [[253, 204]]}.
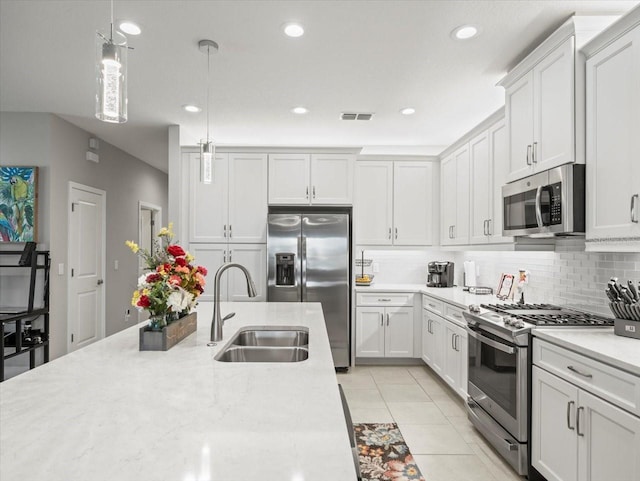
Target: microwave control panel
{"points": [[556, 203]]}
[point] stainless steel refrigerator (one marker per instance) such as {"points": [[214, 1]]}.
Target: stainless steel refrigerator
{"points": [[308, 260]]}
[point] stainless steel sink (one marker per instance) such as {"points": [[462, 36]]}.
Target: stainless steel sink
{"points": [[267, 344], [277, 337], [262, 354]]}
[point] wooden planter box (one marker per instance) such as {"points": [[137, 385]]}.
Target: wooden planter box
{"points": [[170, 335]]}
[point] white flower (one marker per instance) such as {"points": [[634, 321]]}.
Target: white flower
{"points": [[142, 281], [179, 300]]}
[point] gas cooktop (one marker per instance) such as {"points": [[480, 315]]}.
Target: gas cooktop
{"points": [[549, 315]]}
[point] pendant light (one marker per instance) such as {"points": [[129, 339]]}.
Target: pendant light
{"points": [[207, 147], [111, 75]]}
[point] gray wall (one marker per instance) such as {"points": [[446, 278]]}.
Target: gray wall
{"points": [[127, 181]]}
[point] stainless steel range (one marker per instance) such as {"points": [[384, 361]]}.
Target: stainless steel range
{"points": [[500, 370]]}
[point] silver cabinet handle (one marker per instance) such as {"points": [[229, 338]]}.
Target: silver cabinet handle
{"points": [[384, 300], [577, 371], [453, 342], [381, 319], [533, 153], [387, 319], [314, 191], [396, 230], [489, 232], [432, 305], [634, 208], [224, 231], [224, 257], [230, 232], [453, 231], [484, 224], [307, 192], [100, 282], [581, 408], [528, 154], [389, 232], [569, 404]]}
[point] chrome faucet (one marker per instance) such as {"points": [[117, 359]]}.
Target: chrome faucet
{"points": [[218, 321]]}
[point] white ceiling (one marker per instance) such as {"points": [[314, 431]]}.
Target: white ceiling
{"points": [[363, 56]]}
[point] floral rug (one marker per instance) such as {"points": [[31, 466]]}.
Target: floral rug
{"points": [[384, 456]]}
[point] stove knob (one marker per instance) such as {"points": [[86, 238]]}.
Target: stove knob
{"points": [[518, 323], [507, 320], [474, 308]]}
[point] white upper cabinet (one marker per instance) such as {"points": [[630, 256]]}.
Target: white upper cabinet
{"points": [[234, 206], [304, 179], [454, 188], [394, 202], [499, 158], [540, 114], [613, 130]]}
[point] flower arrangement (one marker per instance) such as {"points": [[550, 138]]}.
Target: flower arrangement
{"points": [[171, 287]]}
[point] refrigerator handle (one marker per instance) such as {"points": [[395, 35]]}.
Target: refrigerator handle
{"points": [[303, 275]]}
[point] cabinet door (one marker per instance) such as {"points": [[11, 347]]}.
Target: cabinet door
{"points": [[425, 338], [613, 123], [208, 203], [461, 226], [608, 441], [452, 361], [247, 198], [435, 343], [370, 331], [374, 203], [398, 340], [289, 176], [553, 86], [332, 179], [481, 195], [499, 167], [254, 258], [412, 203], [211, 256], [554, 447], [519, 119], [448, 200]]}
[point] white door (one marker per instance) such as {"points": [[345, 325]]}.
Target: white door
{"points": [[613, 123], [435, 343], [425, 337], [481, 184], [373, 207], [370, 332], [461, 226], [398, 339], [554, 444], [332, 178], [413, 203], [86, 258], [211, 256], [448, 200], [254, 258], [247, 198], [608, 441], [289, 176], [499, 168], [553, 86], [519, 119], [451, 358], [208, 203]]}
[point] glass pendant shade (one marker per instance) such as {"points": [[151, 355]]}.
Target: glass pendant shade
{"points": [[111, 77], [207, 154]]}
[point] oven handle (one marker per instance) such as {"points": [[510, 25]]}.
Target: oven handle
{"points": [[490, 342], [539, 206]]}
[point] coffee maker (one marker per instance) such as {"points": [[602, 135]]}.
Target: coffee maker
{"points": [[440, 274]]}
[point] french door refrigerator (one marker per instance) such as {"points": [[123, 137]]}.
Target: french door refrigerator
{"points": [[308, 260]]}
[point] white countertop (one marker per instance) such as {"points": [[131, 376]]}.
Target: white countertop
{"points": [[597, 343], [452, 295], [111, 412]]}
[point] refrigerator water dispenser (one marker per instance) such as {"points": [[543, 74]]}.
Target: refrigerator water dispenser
{"points": [[285, 272]]}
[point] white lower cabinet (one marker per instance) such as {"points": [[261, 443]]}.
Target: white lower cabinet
{"points": [[444, 349], [233, 286], [384, 331], [578, 436]]}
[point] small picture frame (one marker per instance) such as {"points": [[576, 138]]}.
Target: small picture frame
{"points": [[506, 287]]}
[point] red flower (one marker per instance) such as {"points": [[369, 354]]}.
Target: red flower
{"points": [[175, 250], [181, 261], [151, 278], [202, 270], [144, 301]]}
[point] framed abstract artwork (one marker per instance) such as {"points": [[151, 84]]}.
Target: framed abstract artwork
{"points": [[18, 204]]}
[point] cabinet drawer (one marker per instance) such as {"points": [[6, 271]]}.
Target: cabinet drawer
{"points": [[454, 314], [430, 304], [609, 383], [385, 299]]}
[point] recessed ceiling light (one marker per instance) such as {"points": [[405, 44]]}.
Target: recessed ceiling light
{"points": [[299, 110], [408, 111], [129, 28], [192, 108], [465, 32], [293, 30]]}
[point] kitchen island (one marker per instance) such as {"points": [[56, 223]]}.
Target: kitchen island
{"points": [[111, 412]]}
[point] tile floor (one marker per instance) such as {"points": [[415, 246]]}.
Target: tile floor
{"points": [[431, 418]]}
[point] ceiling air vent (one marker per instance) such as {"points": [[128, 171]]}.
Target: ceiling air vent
{"points": [[355, 116]]}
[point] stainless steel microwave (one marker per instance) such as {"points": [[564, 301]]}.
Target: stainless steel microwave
{"points": [[545, 204]]}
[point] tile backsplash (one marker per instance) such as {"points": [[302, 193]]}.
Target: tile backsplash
{"points": [[568, 276]]}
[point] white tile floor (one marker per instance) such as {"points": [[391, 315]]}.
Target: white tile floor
{"points": [[431, 419]]}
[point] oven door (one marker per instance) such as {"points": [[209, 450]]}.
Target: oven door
{"points": [[498, 380]]}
